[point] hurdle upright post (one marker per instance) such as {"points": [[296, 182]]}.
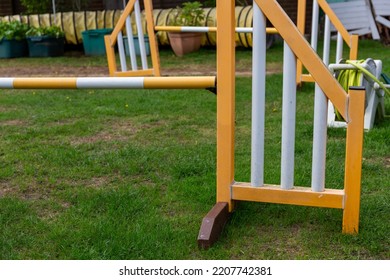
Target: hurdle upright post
{"points": [[353, 160], [213, 223]]}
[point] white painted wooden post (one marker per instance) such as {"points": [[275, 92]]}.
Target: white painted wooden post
{"points": [[258, 96], [288, 118]]}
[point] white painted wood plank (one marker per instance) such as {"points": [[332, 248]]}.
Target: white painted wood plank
{"points": [[383, 21], [356, 16], [348, 4], [381, 7]]}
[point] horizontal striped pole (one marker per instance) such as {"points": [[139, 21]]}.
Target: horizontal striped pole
{"points": [[205, 29], [199, 82]]}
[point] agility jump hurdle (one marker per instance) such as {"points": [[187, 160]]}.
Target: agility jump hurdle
{"points": [[124, 26], [351, 105], [228, 191]]}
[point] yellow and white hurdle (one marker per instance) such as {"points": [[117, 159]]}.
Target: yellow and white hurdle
{"points": [[350, 105]]}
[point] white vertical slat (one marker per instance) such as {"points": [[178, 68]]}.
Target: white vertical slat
{"points": [[339, 48], [121, 50], [142, 48], [320, 124], [314, 24], [288, 118], [258, 96], [326, 49], [319, 140], [130, 43]]}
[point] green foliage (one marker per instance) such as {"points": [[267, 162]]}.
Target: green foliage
{"points": [[51, 31], [73, 5], [13, 30], [36, 6], [213, 3], [210, 3], [44, 6], [190, 14]]}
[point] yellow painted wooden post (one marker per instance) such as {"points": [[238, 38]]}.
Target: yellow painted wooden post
{"points": [[225, 99], [301, 20], [216, 218], [110, 52], [353, 160], [354, 46], [152, 37]]}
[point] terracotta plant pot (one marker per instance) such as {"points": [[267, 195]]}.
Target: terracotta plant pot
{"points": [[184, 42]]}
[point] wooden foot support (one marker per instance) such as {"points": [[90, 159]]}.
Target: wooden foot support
{"points": [[212, 225]]}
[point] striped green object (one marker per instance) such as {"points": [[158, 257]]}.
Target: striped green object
{"points": [[348, 78]]}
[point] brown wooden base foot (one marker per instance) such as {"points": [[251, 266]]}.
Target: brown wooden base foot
{"points": [[213, 224]]}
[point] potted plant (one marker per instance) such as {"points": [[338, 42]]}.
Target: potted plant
{"points": [[45, 41], [190, 14], [13, 39]]}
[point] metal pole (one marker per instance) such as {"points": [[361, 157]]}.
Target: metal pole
{"points": [[258, 96], [288, 118]]}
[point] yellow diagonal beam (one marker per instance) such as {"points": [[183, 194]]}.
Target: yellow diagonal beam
{"points": [[302, 49]]}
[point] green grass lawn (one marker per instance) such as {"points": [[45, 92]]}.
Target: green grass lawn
{"points": [[115, 174]]}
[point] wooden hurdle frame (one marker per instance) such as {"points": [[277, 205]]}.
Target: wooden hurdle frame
{"points": [[228, 191], [116, 38], [351, 105], [351, 40]]}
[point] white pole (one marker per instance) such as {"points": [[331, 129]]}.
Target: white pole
{"points": [[195, 29], [130, 43], [258, 96], [319, 140], [53, 2], [314, 24], [326, 50], [288, 118], [339, 49], [121, 50], [320, 124], [141, 41]]}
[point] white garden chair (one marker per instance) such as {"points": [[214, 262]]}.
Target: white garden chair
{"points": [[381, 10]]}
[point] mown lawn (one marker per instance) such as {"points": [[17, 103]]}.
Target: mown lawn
{"points": [[115, 174]]}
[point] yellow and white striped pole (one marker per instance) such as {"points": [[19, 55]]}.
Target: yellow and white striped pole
{"points": [[199, 82], [205, 29]]}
